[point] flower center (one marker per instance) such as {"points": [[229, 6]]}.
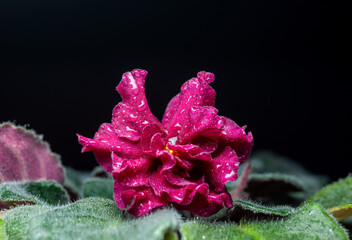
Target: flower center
{"points": [[170, 151], [171, 141]]}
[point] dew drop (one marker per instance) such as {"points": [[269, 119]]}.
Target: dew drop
{"points": [[142, 106], [134, 88], [133, 117]]}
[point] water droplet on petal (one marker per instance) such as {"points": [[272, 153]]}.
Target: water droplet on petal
{"points": [[134, 88], [133, 117], [130, 129], [142, 106]]}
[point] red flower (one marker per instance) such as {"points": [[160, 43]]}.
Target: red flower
{"points": [[185, 160]]}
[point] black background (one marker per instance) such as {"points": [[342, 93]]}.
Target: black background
{"points": [[281, 67]]}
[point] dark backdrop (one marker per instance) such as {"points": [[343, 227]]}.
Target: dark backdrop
{"points": [[281, 68]]}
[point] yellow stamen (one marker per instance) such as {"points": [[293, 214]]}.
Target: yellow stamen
{"points": [[170, 151]]}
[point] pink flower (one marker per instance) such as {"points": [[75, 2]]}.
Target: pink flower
{"points": [[185, 160]]}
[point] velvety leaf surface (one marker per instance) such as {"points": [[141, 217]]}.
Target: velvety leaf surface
{"points": [[309, 222], [251, 211], [74, 181], [336, 197], [220, 231], [90, 218], [25, 156], [161, 223], [99, 187], [43, 192], [265, 161], [266, 183], [333, 195], [16, 221], [2, 230], [98, 171], [277, 180]]}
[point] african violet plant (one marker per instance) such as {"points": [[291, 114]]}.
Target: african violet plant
{"points": [[176, 179]]}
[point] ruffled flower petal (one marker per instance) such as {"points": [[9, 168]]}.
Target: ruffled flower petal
{"points": [[223, 169], [193, 151], [202, 122], [133, 172], [195, 92], [153, 139], [106, 141], [132, 115], [137, 201], [207, 204], [237, 138]]}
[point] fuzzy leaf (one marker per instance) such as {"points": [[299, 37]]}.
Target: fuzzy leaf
{"points": [[308, 222], [99, 187], [250, 210], [337, 197], [16, 221], [25, 156], [43, 192], [2, 230], [278, 180], [283, 169], [98, 171], [268, 183], [216, 231], [336, 194], [90, 218], [74, 182], [265, 161]]}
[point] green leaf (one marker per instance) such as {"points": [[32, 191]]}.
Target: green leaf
{"points": [[2, 230], [248, 210], [74, 182], [336, 194], [98, 171], [90, 218], [277, 180], [154, 226], [265, 161], [337, 197], [217, 231], [99, 187], [16, 220], [43, 192], [308, 222], [267, 183]]}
